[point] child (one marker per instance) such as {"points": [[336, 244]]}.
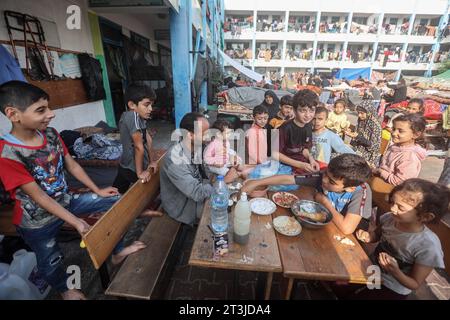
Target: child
{"points": [[218, 155], [403, 158], [136, 141], [256, 136], [337, 120], [324, 140], [286, 112], [408, 250], [295, 136], [367, 137], [344, 190], [32, 161], [414, 106]]}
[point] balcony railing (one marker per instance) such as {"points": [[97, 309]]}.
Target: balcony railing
{"points": [[423, 30]]}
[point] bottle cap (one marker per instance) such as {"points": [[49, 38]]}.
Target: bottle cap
{"points": [[220, 177]]}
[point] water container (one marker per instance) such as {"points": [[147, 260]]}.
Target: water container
{"points": [[24, 265], [241, 221], [13, 287], [219, 206]]}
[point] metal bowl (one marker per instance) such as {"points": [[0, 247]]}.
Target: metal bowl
{"points": [[310, 206]]}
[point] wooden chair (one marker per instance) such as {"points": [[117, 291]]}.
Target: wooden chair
{"points": [[138, 275]]}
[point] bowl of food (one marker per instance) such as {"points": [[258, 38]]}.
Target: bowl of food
{"points": [[311, 214]]}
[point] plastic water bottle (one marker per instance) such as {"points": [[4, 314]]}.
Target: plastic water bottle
{"points": [[241, 221], [13, 287], [24, 265], [219, 206]]}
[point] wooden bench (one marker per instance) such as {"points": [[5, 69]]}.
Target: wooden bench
{"points": [[139, 274]]}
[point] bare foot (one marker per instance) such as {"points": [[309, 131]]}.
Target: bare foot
{"points": [[73, 294], [136, 246], [150, 213]]}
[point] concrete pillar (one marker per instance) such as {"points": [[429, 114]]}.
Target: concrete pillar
{"points": [[442, 24], [255, 17], [180, 38]]}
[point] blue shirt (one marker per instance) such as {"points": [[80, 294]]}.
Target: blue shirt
{"points": [[325, 142]]}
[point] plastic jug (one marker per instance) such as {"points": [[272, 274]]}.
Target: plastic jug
{"points": [[241, 222], [13, 287], [24, 265]]}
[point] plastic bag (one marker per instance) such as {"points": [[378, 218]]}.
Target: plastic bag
{"points": [[271, 168]]}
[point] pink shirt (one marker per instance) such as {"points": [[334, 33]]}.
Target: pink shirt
{"points": [[257, 144], [401, 163], [217, 153]]}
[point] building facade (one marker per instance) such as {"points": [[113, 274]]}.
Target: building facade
{"points": [[285, 36]]}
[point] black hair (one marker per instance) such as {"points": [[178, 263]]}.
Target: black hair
{"points": [[287, 99], [221, 124], [416, 121], [188, 121], [20, 95], [260, 109], [418, 101], [435, 197], [136, 93], [305, 98], [321, 109], [353, 169], [342, 101]]}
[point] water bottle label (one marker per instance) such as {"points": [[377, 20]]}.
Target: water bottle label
{"points": [[35, 279]]}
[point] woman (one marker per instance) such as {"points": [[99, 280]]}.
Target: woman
{"points": [[272, 103], [367, 138]]}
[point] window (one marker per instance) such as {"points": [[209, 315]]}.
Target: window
{"points": [[331, 47], [424, 22], [335, 19], [277, 18], [323, 18], [360, 20], [393, 21]]}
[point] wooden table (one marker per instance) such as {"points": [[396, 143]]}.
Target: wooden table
{"points": [[259, 254], [316, 255]]}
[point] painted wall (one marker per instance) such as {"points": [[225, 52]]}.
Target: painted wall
{"points": [[77, 40], [143, 24]]}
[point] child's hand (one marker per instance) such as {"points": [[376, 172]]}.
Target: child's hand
{"points": [[388, 263], [321, 198], [249, 186], [315, 165], [363, 236], [108, 192], [81, 226], [144, 176], [152, 167], [307, 167]]}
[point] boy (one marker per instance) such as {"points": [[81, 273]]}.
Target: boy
{"points": [[286, 112], [256, 136], [337, 120], [136, 141], [32, 159], [343, 190], [324, 140], [295, 136]]}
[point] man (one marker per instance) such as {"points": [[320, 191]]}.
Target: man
{"points": [[184, 187]]}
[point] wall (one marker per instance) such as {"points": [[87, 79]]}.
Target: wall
{"points": [[77, 40], [143, 24]]}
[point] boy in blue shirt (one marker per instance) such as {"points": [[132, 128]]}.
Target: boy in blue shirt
{"points": [[324, 140], [342, 189]]}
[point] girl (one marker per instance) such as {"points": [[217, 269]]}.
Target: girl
{"points": [[272, 103], [337, 120], [367, 137], [218, 155], [408, 250], [403, 158]]}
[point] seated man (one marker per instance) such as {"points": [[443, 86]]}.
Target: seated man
{"points": [[183, 185]]}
